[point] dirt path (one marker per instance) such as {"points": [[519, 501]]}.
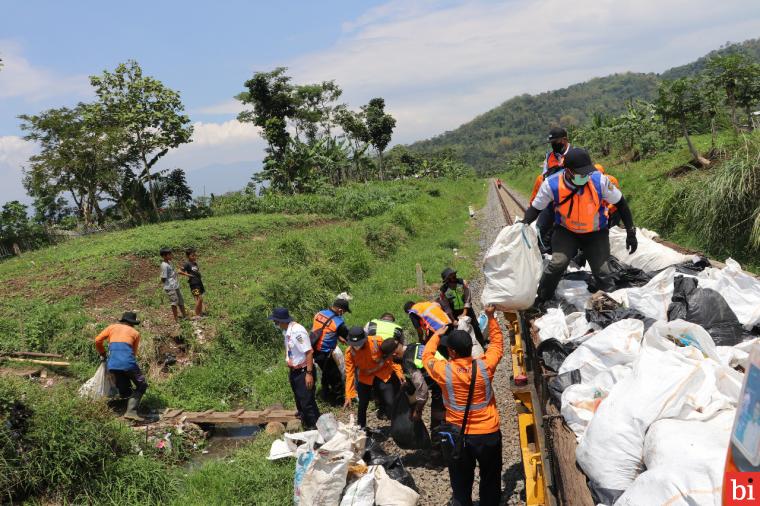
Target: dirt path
{"points": [[433, 481]]}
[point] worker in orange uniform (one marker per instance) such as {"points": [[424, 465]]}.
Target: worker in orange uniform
{"points": [[580, 195], [123, 342], [374, 370], [428, 318], [482, 436]]}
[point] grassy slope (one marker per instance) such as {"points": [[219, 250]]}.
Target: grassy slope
{"points": [[649, 190], [56, 299]]}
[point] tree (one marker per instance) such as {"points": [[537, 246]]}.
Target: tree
{"points": [[678, 103], [176, 189], [748, 89], [710, 102], [380, 126], [81, 153], [725, 72], [355, 131], [150, 113]]}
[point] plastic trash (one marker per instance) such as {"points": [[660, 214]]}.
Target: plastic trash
{"points": [[741, 291], [325, 478], [304, 457], [512, 268], [707, 308], [361, 492], [408, 434], [607, 317], [554, 352], [574, 291], [554, 324], [392, 492], [340, 361], [100, 385], [483, 321], [650, 255], [279, 450], [684, 460], [560, 383], [327, 425], [464, 324]]}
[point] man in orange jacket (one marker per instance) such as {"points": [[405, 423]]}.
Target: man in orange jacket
{"points": [[365, 361], [482, 440], [123, 342]]}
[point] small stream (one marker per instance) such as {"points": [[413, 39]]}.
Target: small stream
{"points": [[223, 442]]}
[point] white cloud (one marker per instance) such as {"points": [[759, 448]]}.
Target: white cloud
{"points": [[231, 106], [14, 153], [438, 64], [19, 78]]}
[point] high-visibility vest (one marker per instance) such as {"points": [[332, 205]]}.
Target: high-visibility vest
{"points": [[553, 160], [329, 337], [449, 395], [375, 356], [611, 207], [454, 295], [432, 316], [384, 329], [579, 210]]}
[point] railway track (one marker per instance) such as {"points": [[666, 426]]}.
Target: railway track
{"points": [[546, 443]]}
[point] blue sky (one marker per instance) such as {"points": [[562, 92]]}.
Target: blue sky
{"points": [[437, 63]]}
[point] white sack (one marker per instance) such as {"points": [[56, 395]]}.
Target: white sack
{"points": [[617, 344], [465, 324], [361, 492], [512, 268], [684, 461], [304, 459], [349, 438], [650, 255], [575, 292], [324, 480], [666, 382], [653, 299], [340, 361], [741, 291], [580, 401], [100, 385], [279, 450], [390, 492], [554, 324]]}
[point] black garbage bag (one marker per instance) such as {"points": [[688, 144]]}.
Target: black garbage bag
{"points": [[607, 317], [408, 434], [560, 382], [554, 352], [693, 267], [707, 308], [623, 276], [374, 455]]}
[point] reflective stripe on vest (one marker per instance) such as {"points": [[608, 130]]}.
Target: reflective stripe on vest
{"points": [[449, 400], [583, 212], [455, 297], [383, 329], [432, 316]]}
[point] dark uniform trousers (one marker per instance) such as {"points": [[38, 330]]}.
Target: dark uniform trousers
{"points": [[306, 404], [386, 394], [545, 225], [485, 451], [332, 388], [565, 245]]}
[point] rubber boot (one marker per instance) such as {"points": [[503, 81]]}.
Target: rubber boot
{"points": [[132, 405]]}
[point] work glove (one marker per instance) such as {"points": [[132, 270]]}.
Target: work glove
{"points": [[631, 243]]}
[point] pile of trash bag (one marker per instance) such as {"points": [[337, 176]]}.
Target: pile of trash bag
{"points": [[337, 464], [648, 375]]}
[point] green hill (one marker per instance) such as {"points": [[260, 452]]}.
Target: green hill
{"points": [[522, 121]]}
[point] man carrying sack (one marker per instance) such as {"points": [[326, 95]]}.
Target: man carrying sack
{"points": [[470, 410]]}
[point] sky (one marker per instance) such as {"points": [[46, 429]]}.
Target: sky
{"points": [[438, 64]]}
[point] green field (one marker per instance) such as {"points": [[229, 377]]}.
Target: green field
{"points": [[56, 300]]}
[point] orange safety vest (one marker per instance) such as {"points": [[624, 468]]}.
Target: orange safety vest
{"points": [[483, 417], [553, 162], [326, 332], [579, 210], [368, 363], [432, 316], [611, 207]]}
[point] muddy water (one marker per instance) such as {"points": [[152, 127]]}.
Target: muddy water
{"points": [[223, 442]]}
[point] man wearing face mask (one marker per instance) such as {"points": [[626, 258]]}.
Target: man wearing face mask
{"points": [[553, 163], [580, 195]]}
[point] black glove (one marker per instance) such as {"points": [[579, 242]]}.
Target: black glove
{"points": [[631, 243]]}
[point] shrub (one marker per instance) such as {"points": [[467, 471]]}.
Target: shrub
{"points": [[383, 238]]}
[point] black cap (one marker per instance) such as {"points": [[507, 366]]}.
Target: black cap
{"points": [[448, 271], [356, 337], [458, 340], [578, 161], [388, 346], [130, 317], [341, 304], [280, 315], [164, 251], [556, 133]]}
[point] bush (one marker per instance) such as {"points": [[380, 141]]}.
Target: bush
{"points": [[383, 239]]}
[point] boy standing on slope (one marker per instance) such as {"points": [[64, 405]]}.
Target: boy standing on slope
{"points": [[191, 270], [171, 284]]}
